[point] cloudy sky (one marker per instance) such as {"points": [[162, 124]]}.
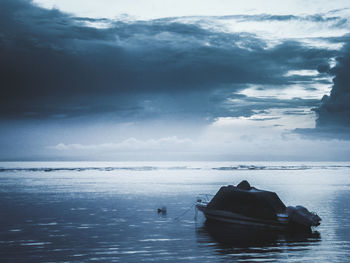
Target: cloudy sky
{"points": [[173, 80]]}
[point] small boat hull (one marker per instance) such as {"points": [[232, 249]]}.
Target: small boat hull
{"points": [[237, 219]]}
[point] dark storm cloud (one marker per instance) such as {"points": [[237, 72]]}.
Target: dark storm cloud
{"points": [[53, 64], [333, 120], [335, 108]]}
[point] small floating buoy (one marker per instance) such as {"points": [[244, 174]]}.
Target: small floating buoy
{"points": [[162, 210]]}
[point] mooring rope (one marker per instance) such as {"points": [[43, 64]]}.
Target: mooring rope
{"points": [[185, 212]]}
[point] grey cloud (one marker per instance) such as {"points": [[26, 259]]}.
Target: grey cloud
{"points": [[325, 133], [267, 119], [52, 64], [317, 18], [295, 112], [247, 106]]}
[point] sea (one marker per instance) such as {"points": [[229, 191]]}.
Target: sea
{"points": [[108, 212]]}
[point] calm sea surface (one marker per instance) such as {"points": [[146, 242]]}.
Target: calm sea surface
{"points": [[107, 212]]}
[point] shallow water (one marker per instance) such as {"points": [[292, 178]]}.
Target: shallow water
{"points": [[107, 212]]}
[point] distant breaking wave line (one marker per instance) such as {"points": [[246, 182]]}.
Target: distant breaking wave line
{"points": [[254, 167], [152, 168]]}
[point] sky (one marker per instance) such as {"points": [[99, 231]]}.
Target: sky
{"points": [[163, 80]]}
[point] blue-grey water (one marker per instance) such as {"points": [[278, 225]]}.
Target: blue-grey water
{"points": [[107, 212]]}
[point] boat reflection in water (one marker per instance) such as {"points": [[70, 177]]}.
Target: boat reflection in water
{"points": [[246, 244], [246, 236]]}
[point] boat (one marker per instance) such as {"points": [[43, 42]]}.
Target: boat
{"points": [[248, 206]]}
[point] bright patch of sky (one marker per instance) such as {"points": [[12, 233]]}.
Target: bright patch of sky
{"points": [[306, 91], [151, 9], [264, 136], [303, 29]]}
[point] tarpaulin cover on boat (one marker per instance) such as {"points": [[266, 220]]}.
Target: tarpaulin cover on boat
{"points": [[247, 201]]}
